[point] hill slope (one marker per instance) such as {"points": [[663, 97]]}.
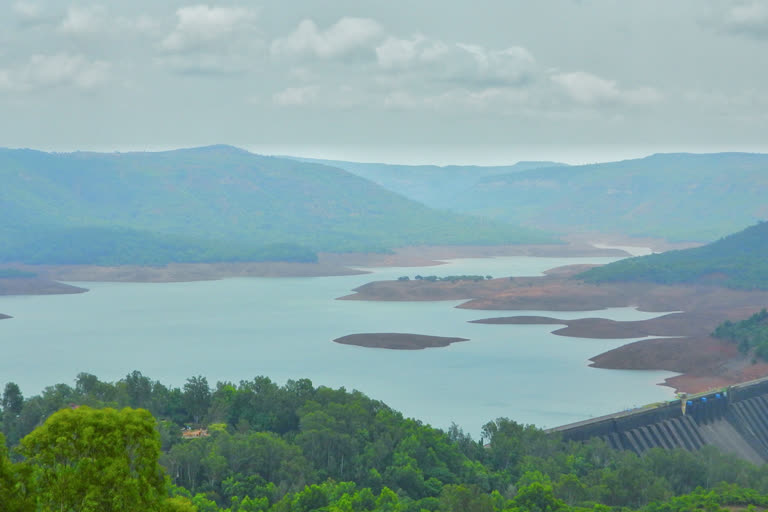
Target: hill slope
{"points": [[208, 204], [736, 261], [435, 186], [676, 196]]}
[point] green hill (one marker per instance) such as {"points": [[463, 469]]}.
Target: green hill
{"points": [[697, 197], [215, 203], [736, 261]]}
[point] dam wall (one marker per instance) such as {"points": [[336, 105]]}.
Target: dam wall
{"points": [[735, 420]]}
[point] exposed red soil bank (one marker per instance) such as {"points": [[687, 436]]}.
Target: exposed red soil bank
{"points": [[397, 341], [705, 362]]}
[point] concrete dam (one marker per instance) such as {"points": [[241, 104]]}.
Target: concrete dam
{"points": [[735, 420]]}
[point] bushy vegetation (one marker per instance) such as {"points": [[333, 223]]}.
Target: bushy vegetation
{"points": [[298, 447], [736, 261], [750, 334]]}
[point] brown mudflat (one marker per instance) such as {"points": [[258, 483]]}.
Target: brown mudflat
{"points": [[397, 341]]}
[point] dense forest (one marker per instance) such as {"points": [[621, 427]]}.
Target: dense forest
{"points": [[750, 334], [735, 261], [297, 447], [215, 203]]}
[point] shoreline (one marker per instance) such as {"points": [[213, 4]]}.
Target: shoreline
{"points": [[328, 265], [680, 342]]}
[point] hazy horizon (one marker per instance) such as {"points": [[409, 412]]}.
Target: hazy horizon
{"points": [[429, 155]]}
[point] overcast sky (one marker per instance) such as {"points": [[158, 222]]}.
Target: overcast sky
{"points": [[487, 81]]}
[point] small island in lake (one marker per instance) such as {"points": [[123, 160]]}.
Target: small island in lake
{"points": [[397, 341]]}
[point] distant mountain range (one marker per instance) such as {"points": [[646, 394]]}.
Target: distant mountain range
{"points": [[692, 197], [435, 186], [736, 261], [215, 203]]}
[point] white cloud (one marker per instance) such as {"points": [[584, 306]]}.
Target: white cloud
{"points": [[27, 10], [295, 96], [83, 20], [396, 53], [30, 13], [459, 62], [200, 26], [96, 21], [588, 89], [345, 36], [59, 70], [750, 18]]}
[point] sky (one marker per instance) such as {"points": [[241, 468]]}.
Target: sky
{"points": [[418, 81]]}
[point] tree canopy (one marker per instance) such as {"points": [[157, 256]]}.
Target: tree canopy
{"points": [[297, 447]]}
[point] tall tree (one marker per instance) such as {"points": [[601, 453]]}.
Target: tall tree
{"points": [[197, 397], [13, 400], [139, 389], [97, 460]]}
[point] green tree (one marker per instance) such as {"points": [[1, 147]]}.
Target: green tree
{"points": [[197, 397], [463, 498], [97, 460], [13, 400], [139, 389], [538, 497], [15, 495]]}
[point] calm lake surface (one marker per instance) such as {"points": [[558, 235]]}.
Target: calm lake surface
{"points": [[236, 329]]}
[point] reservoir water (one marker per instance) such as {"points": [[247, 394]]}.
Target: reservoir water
{"points": [[236, 329]]}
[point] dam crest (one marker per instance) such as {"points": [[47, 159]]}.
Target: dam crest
{"points": [[735, 420]]}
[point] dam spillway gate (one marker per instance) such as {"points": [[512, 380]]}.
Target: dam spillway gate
{"points": [[735, 420]]}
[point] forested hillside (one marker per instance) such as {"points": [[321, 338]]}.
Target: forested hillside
{"points": [[689, 197], [209, 204], [736, 261], [750, 334], [298, 447]]}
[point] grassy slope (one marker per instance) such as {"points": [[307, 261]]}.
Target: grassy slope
{"points": [[736, 261], [218, 202]]}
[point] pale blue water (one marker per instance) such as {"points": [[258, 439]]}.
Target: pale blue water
{"points": [[282, 327]]}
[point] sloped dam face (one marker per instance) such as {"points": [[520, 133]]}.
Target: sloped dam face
{"points": [[734, 420]]}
